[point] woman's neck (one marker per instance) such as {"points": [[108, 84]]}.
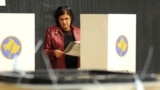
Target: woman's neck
{"points": [[66, 29]]}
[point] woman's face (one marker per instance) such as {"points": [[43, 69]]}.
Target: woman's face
{"points": [[65, 21]]}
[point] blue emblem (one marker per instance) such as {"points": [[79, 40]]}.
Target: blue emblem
{"points": [[122, 45], [11, 47]]}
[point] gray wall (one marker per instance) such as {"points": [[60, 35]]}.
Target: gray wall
{"points": [[148, 21]]}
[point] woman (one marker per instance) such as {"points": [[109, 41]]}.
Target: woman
{"points": [[58, 37]]}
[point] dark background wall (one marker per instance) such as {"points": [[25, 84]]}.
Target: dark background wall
{"points": [[148, 21]]}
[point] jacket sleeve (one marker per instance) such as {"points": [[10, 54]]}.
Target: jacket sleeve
{"points": [[47, 47]]}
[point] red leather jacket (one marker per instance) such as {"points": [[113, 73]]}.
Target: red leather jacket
{"points": [[54, 39]]}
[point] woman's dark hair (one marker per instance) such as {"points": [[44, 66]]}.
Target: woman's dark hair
{"points": [[61, 11]]}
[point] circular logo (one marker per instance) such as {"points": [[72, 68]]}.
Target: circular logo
{"points": [[11, 47], [122, 45]]}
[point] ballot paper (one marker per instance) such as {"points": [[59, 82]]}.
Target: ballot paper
{"points": [[73, 48]]}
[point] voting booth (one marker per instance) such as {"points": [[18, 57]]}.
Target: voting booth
{"points": [[108, 42], [17, 42]]}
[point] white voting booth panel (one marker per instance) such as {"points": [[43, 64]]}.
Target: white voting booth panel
{"points": [[2, 2], [17, 42], [108, 42]]}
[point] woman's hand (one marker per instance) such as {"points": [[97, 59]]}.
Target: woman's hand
{"points": [[58, 53]]}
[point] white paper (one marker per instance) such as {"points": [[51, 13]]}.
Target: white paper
{"points": [[73, 49], [2, 3]]}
